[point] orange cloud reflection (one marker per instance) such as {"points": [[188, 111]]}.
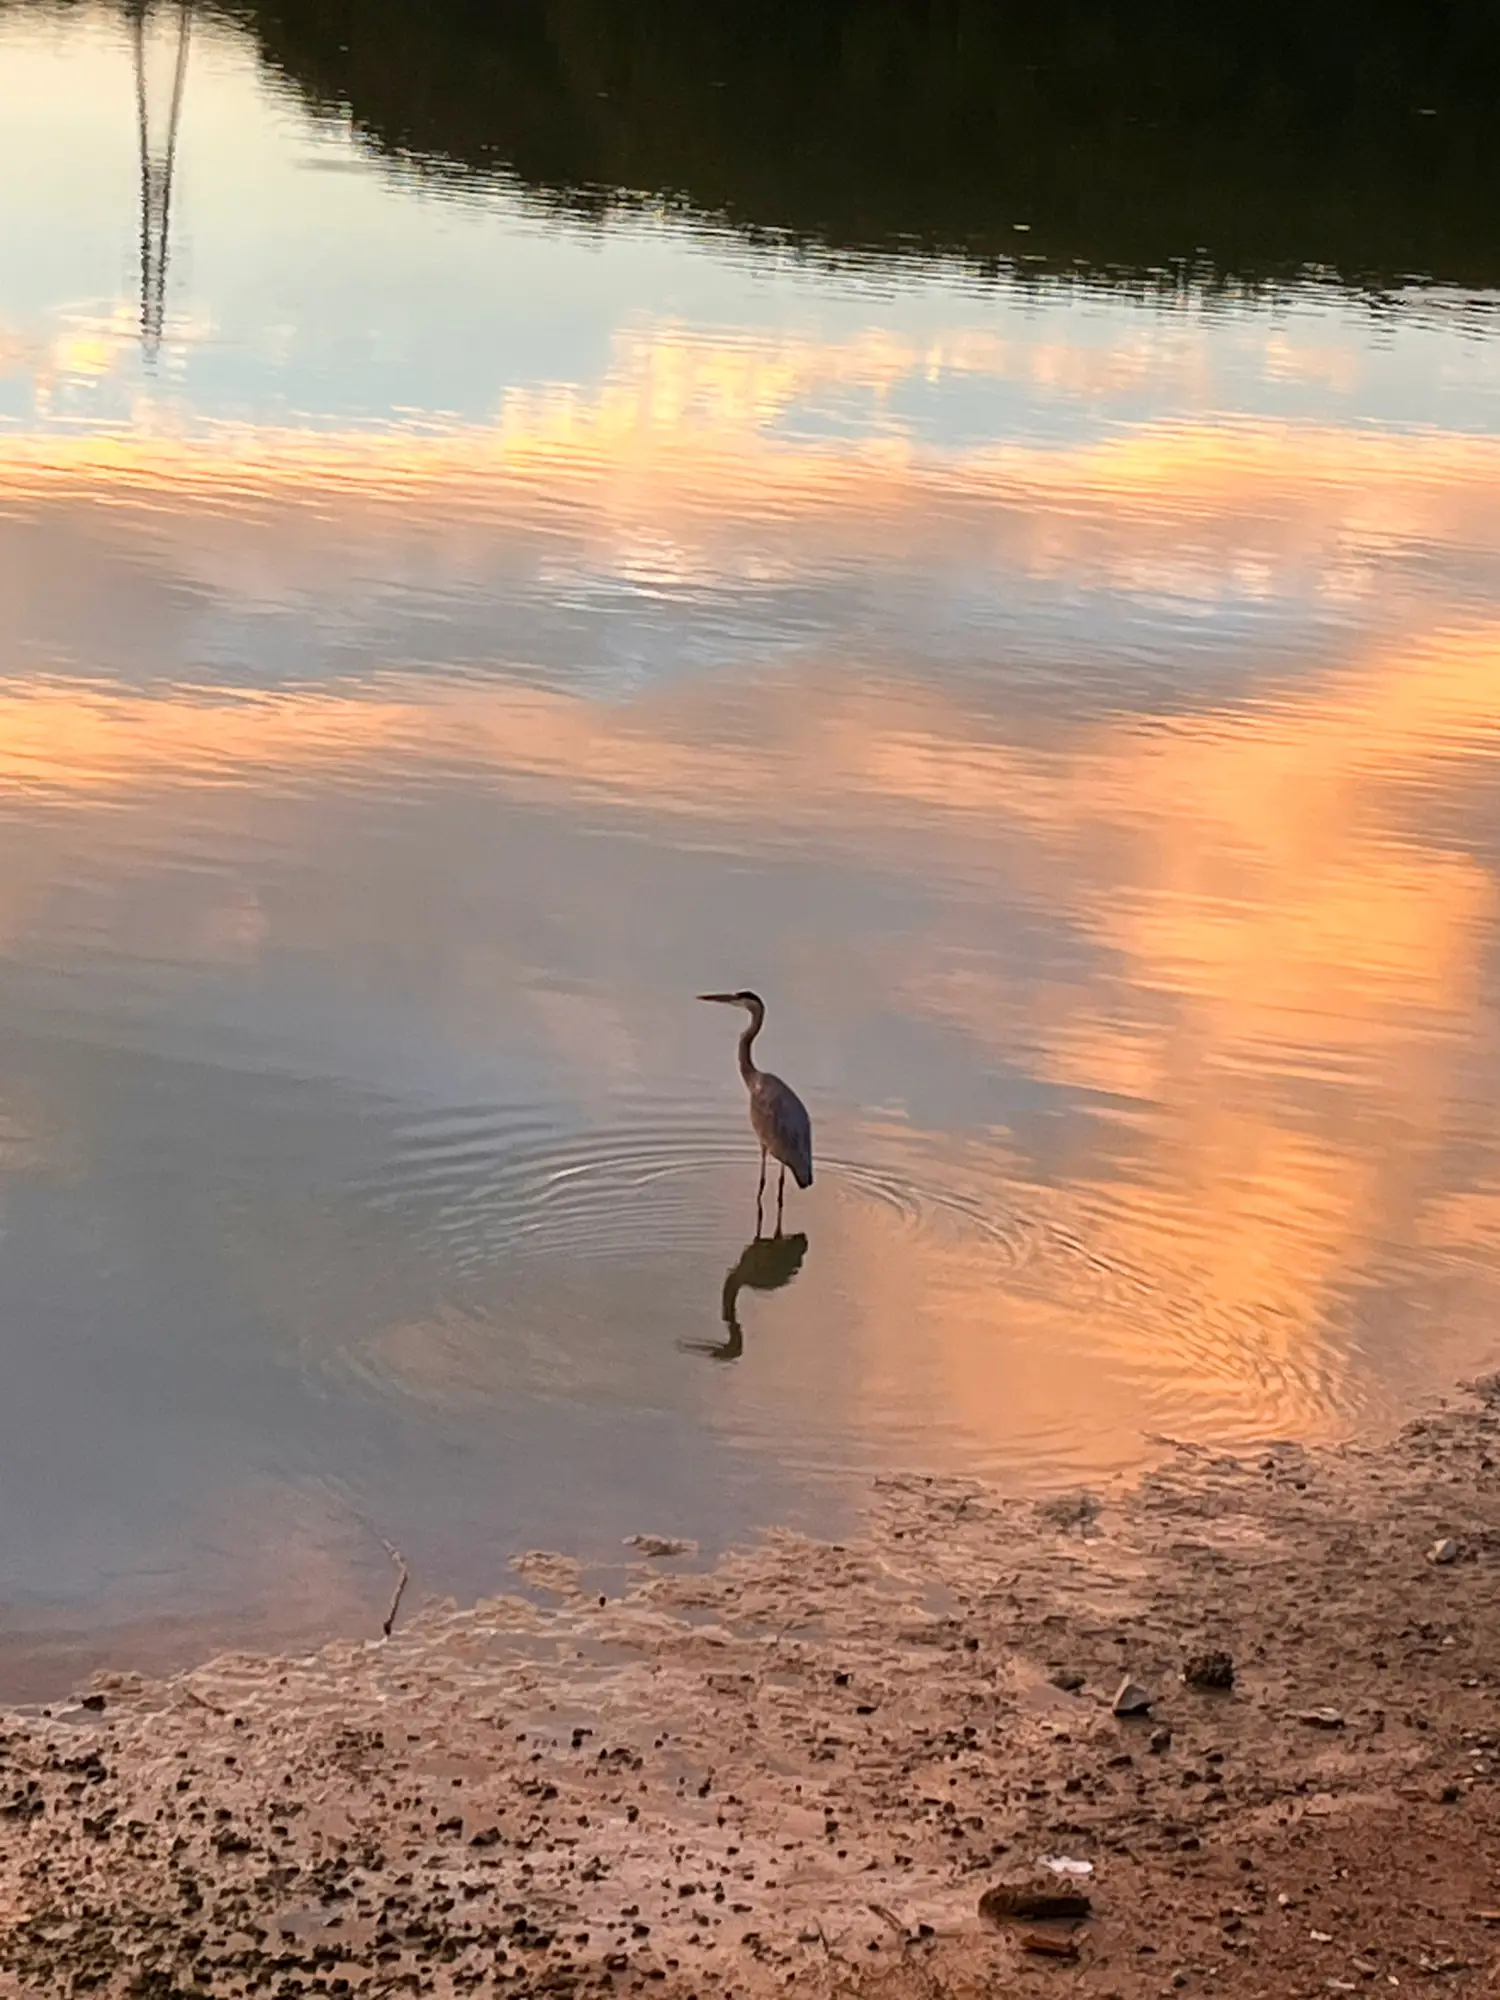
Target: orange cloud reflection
{"points": [[1289, 923], [1292, 984], [697, 484]]}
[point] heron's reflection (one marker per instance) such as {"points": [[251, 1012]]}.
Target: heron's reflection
{"points": [[765, 1265]]}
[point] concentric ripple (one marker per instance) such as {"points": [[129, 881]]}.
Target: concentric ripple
{"points": [[922, 1206], [507, 1182], [532, 1231], [1202, 1366]]}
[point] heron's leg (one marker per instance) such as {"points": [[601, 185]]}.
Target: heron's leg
{"points": [[760, 1194], [780, 1199]]}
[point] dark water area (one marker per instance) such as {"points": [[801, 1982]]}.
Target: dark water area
{"points": [[980, 524], [1146, 140]]}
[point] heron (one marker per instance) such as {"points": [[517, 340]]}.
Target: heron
{"points": [[777, 1113]]}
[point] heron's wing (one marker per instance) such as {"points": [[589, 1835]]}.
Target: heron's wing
{"points": [[781, 1120]]}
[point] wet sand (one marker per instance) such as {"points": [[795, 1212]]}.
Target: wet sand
{"points": [[802, 1770]]}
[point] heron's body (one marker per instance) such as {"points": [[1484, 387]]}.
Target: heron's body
{"points": [[777, 1114], [782, 1125]]}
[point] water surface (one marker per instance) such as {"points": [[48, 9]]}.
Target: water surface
{"points": [[451, 615]]}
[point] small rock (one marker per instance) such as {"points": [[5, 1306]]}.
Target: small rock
{"points": [[1131, 1699], [1068, 1679], [1208, 1670], [1321, 1718], [1161, 1741], [94, 1702], [1049, 1944], [1445, 1551]]}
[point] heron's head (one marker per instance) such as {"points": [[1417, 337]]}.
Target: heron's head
{"points": [[751, 1002]]}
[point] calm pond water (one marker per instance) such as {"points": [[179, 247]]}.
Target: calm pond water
{"points": [[474, 589]]}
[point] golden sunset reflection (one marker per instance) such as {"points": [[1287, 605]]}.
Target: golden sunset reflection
{"points": [[1183, 509], [1287, 934]]}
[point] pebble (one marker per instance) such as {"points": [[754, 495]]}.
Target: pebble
{"points": [[1131, 1699], [1049, 1944], [1321, 1718], [1445, 1551]]}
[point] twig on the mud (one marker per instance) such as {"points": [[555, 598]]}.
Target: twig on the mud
{"points": [[889, 1917], [403, 1577], [829, 1950], [202, 1700]]}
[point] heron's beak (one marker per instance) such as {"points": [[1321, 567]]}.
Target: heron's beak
{"points": [[728, 999]]}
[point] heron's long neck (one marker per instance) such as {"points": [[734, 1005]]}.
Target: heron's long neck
{"points": [[747, 1063]]}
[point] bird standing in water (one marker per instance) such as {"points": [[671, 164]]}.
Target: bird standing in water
{"points": [[776, 1111]]}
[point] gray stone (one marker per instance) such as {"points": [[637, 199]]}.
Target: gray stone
{"points": [[1131, 1699]]}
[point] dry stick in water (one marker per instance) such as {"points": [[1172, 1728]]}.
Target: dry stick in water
{"points": [[403, 1575]]}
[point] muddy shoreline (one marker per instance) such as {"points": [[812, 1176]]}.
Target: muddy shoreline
{"points": [[801, 1770]]}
